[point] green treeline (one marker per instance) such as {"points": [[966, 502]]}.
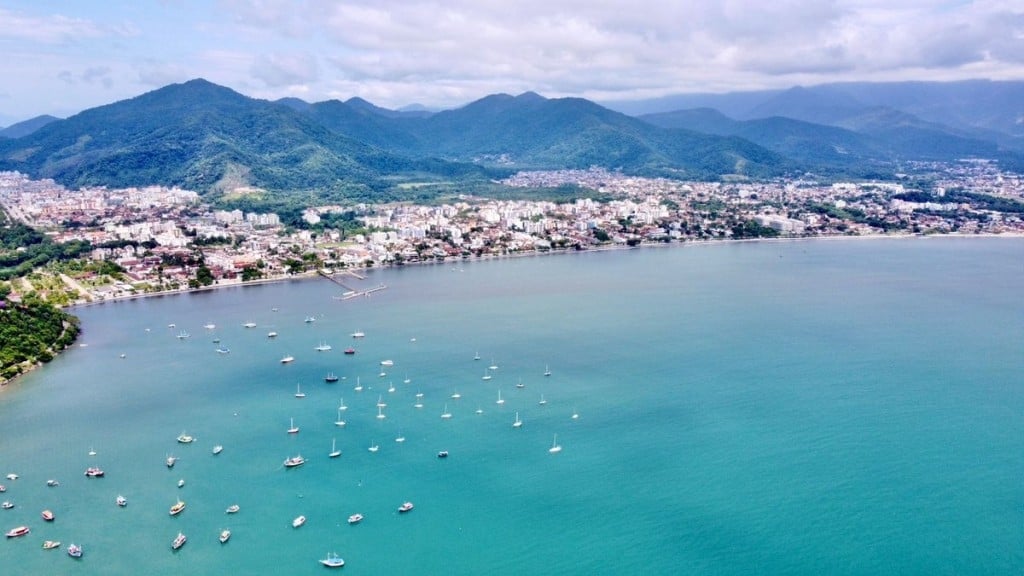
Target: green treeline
{"points": [[31, 331], [22, 248]]}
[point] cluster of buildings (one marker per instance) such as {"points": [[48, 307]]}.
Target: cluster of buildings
{"points": [[162, 236]]}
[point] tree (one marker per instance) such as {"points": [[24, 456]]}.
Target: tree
{"points": [[204, 277]]}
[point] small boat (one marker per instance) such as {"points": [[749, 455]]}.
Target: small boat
{"points": [[555, 448], [181, 483], [446, 414], [74, 550], [287, 359], [373, 448], [333, 561], [47, 515], [293, 429], [456, 395], [233, 509], [185, 439], [183, 335], [520, 384], [442, 454], [330, 377], [299, 521], [52, 483], [339, 422], [271, 334], [12, 476], [93, 472], [7, 505], [216, 340], [493, 366], [350, 351], [355, 518], [170, 461], [177, 508], [486, 376], [294, 461], [400, 439], [391, 387], [310, 319], [575, 414], [121, 501], [387, 362], [209, 326], [323, 347], [500, 400], [341, 404], [359, 385], [476, 356], [358, 334], [298, 392], [542, 400], [547, 372], [249, 324], [3, 488], [19, 531], [217, 449], [518, 423], [92, 452], [479, 410], [223, 350], [380, 414], [407, 379], [178, 542], [50, 545], [380, 401], [334, 450], [225, 535], [407, 506]]}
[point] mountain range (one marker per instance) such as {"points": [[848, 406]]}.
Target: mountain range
{"points": [[210, 138]]}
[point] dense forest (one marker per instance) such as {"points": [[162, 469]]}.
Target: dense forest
{"points": [[31, 331]]}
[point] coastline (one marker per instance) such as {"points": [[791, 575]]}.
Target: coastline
{"points": [[532, 254]]}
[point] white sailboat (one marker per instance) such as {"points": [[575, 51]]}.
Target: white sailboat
{"points": [[518, 423], [380, 401], [500, 400], [391, 387], [575, 414], [547, 371], [373, 448], [359, 385], [298, 391], [555, 448], [477, 356], [334, 450], [542, 400], [446, 414], [292, 428], [456, 395], [341, 405], [339, 422], [380, 414]]}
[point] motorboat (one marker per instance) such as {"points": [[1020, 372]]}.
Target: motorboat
{"points": [[177, 508], [330, 377], [217, 449], [19, 531], [185, 438], [224, 536], [405, 507], [442, 454], [310, 319], [12, 476], [350, 351], [323, 347], [52, 483], [287, 360], [74, 550], [170, 461], [299, 521], [178, 542], [122, 501], [47, 515], [355, 518], [7, 505], [50, 545], [294, 461], [387, 362], [181, 483], [333, 561], [233, 509], [93, 472], [271, 334]]}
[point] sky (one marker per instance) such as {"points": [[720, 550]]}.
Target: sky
{"points": [[61, 57]]}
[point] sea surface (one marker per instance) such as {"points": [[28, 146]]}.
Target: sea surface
{"points": [[815, 407]]}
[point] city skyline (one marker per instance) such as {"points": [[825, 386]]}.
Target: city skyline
{"points": [[64, 57]]}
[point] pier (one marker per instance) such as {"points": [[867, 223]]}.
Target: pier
{"points": [[351, 292]]}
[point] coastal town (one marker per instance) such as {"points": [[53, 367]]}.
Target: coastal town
{"points": [[159, 239]]}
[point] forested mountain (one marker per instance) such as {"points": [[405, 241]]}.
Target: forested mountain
{"points": [[27, 127]]}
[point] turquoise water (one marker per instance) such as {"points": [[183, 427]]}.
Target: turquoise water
{"points": [[794, 408]]}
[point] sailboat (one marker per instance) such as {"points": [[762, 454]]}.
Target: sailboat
{"points": [[342, 406], [486, 376], [477, 357], [391, 387], [323, 347], [407, 380], [298, 392], [293, 429], [380, 414], [555, 448], [380, 401], [518, 423], [419, 403], [373, 447], [575, 414], [547, 371], [520, 384], [334, 450], [446, 414], [359, 385], [456, 395], [500, 400], [339, 422], [542, 400]]}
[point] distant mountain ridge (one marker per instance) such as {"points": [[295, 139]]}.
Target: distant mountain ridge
{"points": [[210, 138], [27, 127]]}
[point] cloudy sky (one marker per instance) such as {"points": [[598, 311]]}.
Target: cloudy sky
{"points": [[60, 57]]}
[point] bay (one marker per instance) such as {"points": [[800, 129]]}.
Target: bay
{"points": [[841, 407]]}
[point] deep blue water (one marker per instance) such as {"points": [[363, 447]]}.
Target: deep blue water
{"points": [[815, 407]]}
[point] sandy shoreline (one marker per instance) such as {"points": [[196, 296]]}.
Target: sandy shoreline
{"points": [[533, 254]]}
